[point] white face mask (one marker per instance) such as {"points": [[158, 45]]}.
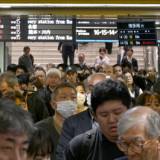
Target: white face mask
{"points": [[89, 99], [66, 108]]}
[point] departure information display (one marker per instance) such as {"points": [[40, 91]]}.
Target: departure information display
{"points": [[137, 33], [36, 28], [96, 30]]}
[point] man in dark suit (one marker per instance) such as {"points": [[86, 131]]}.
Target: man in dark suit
{"points": [[78, 123], [129, 61], [67, 49]]}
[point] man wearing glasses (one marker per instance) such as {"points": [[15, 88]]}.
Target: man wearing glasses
{"points": [[139, 132]]}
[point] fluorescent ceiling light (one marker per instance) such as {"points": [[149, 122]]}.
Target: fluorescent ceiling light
{"points": [[51, 5]]}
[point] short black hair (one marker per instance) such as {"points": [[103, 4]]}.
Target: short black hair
{"points": [[61, 86], [12, 68], [109, 90], [25, 48], [102, 49], [39, 68], [22, 67], [23, 79], [117, 65]]}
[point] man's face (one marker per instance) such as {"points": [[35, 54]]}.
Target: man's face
{"points": [[72, 77], [4, 88], [93, 81], [27, 51], [129, 53], [65, 94], [131, 142], [108, 70], [118, 71], [107, 115], [19, 71], [53, 80], [13, 147], [41, 76]]}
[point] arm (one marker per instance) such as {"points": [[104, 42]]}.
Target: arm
{"points": [[73, 150], [59, 46], [66, 135]]}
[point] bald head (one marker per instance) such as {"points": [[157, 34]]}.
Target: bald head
{"points": [[140, 115], [96, 78]]}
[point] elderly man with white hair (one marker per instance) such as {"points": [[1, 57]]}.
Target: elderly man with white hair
{"points": [[43, 96], [139, 132]]}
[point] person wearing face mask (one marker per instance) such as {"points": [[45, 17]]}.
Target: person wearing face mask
{"points": [[63, 101], [81, 122], [81, 97]]}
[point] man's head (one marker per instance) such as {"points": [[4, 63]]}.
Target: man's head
{"points": [[81, 58], [135, 127], [64, 99], [129, 52], [12, 68], [16, 127], [21, 69], [95, 78], [117, 70], [53, 77], [8, 83], [102, 52], [71, 75], [40, 74], [109, 99], [92, 80], [26, 50], [108, 70]]}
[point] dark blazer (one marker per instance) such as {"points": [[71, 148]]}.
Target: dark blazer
{"points": [[92, 145], [72, 127], [67, 47], [133, 65]]}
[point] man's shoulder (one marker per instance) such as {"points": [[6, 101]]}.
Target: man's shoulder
{"points": [[81, 115], [84, 139], [45, 122]]}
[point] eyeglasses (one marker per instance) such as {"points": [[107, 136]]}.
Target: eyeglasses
{"points": [[134, 144]]}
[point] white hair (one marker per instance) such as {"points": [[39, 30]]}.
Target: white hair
{"points": [[151, 121], [54, 71]]}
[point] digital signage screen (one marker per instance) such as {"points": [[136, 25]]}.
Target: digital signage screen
{"points": [[96, 30], [141, 33], [36, 28]]}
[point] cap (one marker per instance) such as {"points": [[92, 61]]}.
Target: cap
{"points": [[71, 69]]}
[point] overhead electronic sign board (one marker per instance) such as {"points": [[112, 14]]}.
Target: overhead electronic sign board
{"points": [[96, 30], [142, 33], [36, 28]]}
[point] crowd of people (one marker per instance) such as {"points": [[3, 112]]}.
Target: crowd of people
{"points": [[80, 112]]}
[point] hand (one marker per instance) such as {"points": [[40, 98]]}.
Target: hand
{"points": [[151, 150]]}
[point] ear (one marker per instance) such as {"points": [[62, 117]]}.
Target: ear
{"points": [[53, 104]]}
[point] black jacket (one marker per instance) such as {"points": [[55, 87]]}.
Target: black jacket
{"points": [[132, 65], [72, 127], [92, 145]]}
